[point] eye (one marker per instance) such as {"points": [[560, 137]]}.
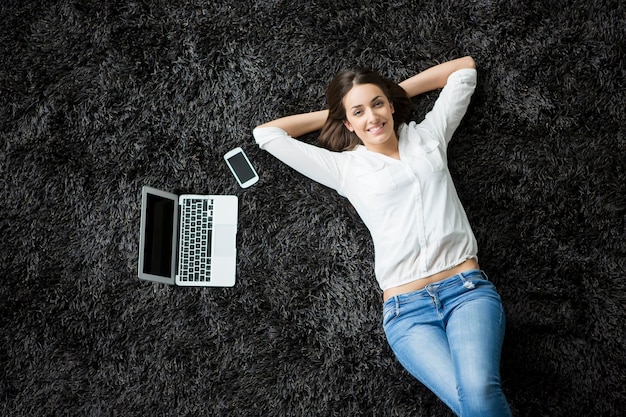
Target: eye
{"points": [[379, 103], [357, 113]]}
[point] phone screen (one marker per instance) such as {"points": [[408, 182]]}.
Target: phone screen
{"points": [[241, 167]]}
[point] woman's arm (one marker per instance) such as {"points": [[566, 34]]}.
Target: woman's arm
{"points": [[317, 163], [300, 124], [277, 137], [435, 77]]}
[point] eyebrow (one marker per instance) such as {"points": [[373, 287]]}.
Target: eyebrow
{"points": [[360, 105]]}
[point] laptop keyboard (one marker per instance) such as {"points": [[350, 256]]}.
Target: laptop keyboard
{"points": [[195, 252]]}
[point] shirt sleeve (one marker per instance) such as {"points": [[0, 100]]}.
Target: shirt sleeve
{"points": [[319, 164], [451, 105]]}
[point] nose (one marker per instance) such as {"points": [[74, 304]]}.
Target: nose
{"points": [[372, 116]]}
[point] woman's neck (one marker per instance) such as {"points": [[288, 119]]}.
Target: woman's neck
{"points": [[389, 148]]}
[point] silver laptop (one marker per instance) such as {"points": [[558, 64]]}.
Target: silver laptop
{"points": [[189, 239]]}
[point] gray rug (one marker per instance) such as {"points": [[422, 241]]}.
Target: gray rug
{"points": [[99, 98]]}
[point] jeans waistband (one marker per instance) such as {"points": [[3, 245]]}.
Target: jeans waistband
{"points": [[465, 277]]}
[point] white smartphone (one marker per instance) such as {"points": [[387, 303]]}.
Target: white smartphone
{"points": [[241, 167]]}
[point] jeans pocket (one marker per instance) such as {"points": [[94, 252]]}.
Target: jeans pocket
{"points": [[472, 281], [390, 312]]}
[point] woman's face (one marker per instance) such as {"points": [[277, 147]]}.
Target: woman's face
{"points": [[369, 114]]}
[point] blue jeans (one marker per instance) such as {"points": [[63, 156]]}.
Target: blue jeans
{"points": [[449, 336]]}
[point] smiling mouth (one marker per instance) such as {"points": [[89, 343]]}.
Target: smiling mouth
{"points": [[377, 129]]}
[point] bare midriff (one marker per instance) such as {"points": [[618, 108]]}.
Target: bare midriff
{"points": [[419, 284]]}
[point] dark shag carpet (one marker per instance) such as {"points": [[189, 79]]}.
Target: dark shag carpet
{"points": [[99, 98]]}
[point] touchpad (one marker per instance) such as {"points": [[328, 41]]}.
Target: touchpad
{"points": [[224, 240]]}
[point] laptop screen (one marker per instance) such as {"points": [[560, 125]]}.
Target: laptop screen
{"points": [[158, 237]]}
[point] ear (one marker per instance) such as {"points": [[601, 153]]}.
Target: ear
{"points": [[391, 106], [348, 125]]}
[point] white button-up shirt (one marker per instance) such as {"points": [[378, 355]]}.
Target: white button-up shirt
{"points": [[410, 206]]}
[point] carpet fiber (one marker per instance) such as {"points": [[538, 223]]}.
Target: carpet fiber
{"points": [[99, 98]]}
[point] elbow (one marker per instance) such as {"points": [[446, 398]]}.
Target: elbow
{"points": [[469, 62], [262, 126]]}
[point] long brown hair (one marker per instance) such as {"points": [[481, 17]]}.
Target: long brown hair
{"points": [[334, 135]]}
